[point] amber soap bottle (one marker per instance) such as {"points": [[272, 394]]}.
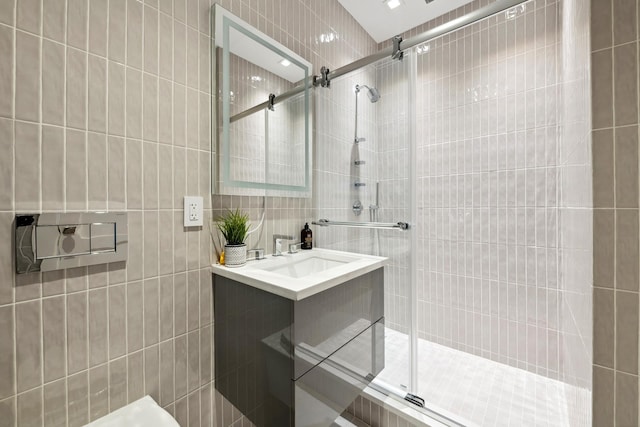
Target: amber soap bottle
{"points": [[306, 237]]}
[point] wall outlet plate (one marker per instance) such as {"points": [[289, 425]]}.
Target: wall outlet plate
{"points": [[192, 211]]}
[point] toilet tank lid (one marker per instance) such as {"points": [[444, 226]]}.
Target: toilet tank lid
{"points": [[144, 412]]}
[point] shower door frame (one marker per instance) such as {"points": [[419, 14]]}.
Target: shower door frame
{"points": [[413, 216]]}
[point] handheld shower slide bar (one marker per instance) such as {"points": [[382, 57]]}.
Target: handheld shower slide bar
{"points": [[455, 24]]}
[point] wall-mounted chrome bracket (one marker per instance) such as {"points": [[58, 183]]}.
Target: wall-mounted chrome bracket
{"points": [[323, 78], [272, 102], [53, 241], [397, 51]]}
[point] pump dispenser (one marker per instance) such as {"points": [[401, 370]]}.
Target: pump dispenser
{"points": [[306, 237]]}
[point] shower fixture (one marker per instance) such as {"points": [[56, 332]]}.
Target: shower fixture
{"points": [[374, 96], [372, 92], [373, 208]]}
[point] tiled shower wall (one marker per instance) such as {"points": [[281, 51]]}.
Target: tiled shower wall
{"points": [[488, 199], [105, 105], [556, 307], [614, 62], [393, 126]]}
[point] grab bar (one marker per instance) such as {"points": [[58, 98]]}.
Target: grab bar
{"points": [[327, 223]]}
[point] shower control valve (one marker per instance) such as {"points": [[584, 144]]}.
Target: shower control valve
{"points": [[357, 207]]}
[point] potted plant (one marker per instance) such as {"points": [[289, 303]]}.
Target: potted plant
{"points": [[234, 227]]}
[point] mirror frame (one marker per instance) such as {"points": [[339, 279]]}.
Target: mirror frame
{"points": [[222, 17]]}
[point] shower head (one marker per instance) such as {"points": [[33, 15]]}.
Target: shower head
{"points": [[372, 92]]}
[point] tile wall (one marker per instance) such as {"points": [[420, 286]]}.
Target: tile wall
{"points": [[614, 62], [105, 105], [488, 189], [84, 110], [393, 126]]}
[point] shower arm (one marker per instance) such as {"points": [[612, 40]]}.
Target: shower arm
{"points": [[453, 25]]}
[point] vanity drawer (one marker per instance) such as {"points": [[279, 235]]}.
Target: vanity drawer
{"points": [[328, 388], [327, 321]]}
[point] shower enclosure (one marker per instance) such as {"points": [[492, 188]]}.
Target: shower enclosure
{"points": [[479, 139]]}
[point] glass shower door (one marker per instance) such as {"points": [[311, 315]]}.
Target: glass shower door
{"points": [[370, 181], [395, 191]]}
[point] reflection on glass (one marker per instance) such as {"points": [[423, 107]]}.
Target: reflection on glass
{"points": [[264, 145]]}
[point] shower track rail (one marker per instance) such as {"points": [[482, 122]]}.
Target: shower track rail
{"points": [[455, 24], [374, 225]]}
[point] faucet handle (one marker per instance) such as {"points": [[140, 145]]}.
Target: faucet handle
{"points": [[257, 253], [294, 247]]}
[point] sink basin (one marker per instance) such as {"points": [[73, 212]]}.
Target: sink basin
{"points": [[300, 275], [305, 267]]}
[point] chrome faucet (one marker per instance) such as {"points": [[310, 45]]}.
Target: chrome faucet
{"points": [[277, 243]]}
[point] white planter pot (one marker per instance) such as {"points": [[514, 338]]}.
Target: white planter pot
{"points": [[235, 255]]}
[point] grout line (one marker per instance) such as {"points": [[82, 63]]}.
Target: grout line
{"points": [[615, 216], [40, 128], [13, 127]]}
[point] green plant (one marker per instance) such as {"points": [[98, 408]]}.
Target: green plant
{"points": [[234, 226]]}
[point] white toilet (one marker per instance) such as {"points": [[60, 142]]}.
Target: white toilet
{"points": [[143, 412]]}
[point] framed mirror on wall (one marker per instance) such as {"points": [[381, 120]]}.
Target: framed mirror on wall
{"points": [[262, 141]]}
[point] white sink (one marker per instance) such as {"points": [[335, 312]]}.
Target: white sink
{"points": [[300, 275], [305, 267]]}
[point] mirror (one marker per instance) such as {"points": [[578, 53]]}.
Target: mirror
{"points": [[259, 145]]}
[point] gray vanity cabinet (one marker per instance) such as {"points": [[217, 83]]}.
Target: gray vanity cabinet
{"points": [[297, 363]]}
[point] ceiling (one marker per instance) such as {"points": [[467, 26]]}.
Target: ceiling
{"points": [[383, 23]]}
